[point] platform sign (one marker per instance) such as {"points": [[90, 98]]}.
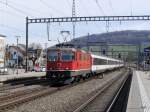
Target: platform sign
{"points": [[147, 58], [147, 50]]}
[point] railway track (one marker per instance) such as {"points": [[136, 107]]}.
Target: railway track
{"points": [[10, 100], [19, 97], [16, 100], [20, 93], [119, 103], [19, 84], [99, 101]]}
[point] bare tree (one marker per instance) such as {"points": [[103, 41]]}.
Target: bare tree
{"points": [[35, 55], [35, 46]]}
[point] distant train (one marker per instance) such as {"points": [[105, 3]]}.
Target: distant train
{"points": [[69, 64]]}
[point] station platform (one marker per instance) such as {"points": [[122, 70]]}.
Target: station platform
{"points": [[139, 96], [20, 75]]}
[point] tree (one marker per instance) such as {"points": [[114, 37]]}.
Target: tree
{"points": [[35, 46]]}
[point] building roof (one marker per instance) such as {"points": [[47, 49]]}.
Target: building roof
{"points": [[22, 45], [21, 51], [2, 35]]}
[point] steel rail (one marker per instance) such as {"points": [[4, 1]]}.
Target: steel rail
{"points": [[107, 85], [26, 98], [20, 84], [115, 97]]}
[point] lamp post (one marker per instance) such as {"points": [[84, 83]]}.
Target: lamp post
{"points": [[17, 51]]}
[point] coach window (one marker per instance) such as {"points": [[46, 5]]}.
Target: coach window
{"points": [[99, 61], [110, 62]]}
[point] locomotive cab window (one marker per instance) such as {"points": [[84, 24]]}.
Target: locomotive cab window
{"points": [[67, 56], [52, 55]]}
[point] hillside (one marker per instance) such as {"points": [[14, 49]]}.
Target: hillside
{"points": [[118, 37]]}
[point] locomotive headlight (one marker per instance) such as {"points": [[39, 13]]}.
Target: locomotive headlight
{"points": [[67, 68]]}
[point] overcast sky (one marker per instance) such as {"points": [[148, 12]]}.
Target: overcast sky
{"points": [[13, 13]]}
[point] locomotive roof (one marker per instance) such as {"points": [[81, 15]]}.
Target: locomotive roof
{"points": [[93, 55], [2, 35], [72, 49]]}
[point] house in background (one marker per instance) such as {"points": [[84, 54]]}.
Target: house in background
{"points": [[11, 51], [35, 56]]}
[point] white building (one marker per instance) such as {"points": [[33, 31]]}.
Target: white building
{"points": [[2, 50]]}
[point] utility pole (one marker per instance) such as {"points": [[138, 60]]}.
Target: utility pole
{"points": [[74, 15], [17, 51], [112, 53], [27, 25], [107, 26], [139, 55], [87, 43]]}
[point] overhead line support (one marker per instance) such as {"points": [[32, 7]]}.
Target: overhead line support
{"points": [[74, 15], [80, 19], [26, 44], [90, 18]]}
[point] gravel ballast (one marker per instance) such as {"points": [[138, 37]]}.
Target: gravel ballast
{"points": [[65, 100]]}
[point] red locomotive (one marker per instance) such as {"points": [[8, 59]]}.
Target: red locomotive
{"points": [[70, 64]]}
